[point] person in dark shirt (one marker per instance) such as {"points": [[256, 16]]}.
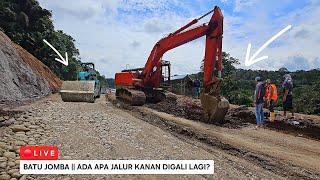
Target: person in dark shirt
{"points": [[287, 86], [259, 94], [196, 88]]}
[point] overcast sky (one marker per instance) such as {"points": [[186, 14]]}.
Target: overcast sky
{"points": [[115, 34]]}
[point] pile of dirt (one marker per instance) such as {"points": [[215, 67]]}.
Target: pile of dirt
{"points": [[299, 125], [23, 77], [237, 116], [181, 106], [190, 108]]}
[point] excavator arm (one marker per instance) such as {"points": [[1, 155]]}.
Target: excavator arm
{"points": [[135, 87], [151, 75]]}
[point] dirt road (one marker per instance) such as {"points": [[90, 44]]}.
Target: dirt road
{"points": [[103, 131]]}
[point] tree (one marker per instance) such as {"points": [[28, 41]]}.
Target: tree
{"points": [[228, 63], [283, 69], [27, 24]]}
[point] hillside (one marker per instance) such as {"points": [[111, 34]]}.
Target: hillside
{"points": [[26, 23], [23, 77]]}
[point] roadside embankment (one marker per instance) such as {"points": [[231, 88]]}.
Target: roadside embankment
{"points": [[23, 77]]}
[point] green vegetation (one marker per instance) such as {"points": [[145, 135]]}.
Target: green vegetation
{"points": [[238, 86], [27, 24], [111, 83]]}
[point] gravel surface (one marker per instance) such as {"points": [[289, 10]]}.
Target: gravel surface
{"points": [[101, 131]]}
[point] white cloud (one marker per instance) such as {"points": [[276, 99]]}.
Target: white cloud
{"points": [[242, 5], [260, 22], [115, 34], [147, 5], [115, 43]]}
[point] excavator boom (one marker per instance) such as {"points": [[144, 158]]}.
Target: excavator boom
{"points": [[150, 77], [212, 30]]}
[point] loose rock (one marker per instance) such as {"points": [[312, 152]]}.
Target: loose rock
{"points": [[20, 143], [33, 126], [3, 159], [13, 171], [11, 164], [18, 128], [9, 154], [5, 177], [3, 165], [3, 145], [32, 143], [16, 174], [24, 177]]}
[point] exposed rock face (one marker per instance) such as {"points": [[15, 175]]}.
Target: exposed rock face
{"points": [[22, 76]]}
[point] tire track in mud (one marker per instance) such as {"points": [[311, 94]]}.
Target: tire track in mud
{"points": [[210, 144]]}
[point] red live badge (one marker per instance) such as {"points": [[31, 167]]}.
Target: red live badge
{"points": [[39, 153]]}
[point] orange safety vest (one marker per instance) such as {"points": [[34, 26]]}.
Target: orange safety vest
{"points": [[271, 92]]}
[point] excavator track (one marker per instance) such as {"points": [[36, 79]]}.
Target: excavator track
{"points": [[132, 97]]}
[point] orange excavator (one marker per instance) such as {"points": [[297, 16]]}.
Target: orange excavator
{"points": [[137, 87]]}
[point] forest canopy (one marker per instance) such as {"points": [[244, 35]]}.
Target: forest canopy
{"points": [[27, 24], [238, 85]]}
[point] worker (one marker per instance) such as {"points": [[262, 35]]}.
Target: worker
{"points": [[258, 101], [287, 86], [196, 88], [271, 98]]}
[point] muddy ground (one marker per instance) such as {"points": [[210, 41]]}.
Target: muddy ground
{"points": [[105, 130], [240, 116], [281, 150]]}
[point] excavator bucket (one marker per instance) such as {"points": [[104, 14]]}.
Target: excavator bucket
{"points": [[214, 109], [78, 91]]}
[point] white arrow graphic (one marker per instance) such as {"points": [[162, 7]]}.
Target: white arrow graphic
{"points": [[62, 60], [249, 61]]}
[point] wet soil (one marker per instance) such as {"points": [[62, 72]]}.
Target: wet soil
{"points": [[210, 143], [237, 117]]}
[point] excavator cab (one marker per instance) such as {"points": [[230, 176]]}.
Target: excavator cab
{"points": [[165, 74], [128, 82]]}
